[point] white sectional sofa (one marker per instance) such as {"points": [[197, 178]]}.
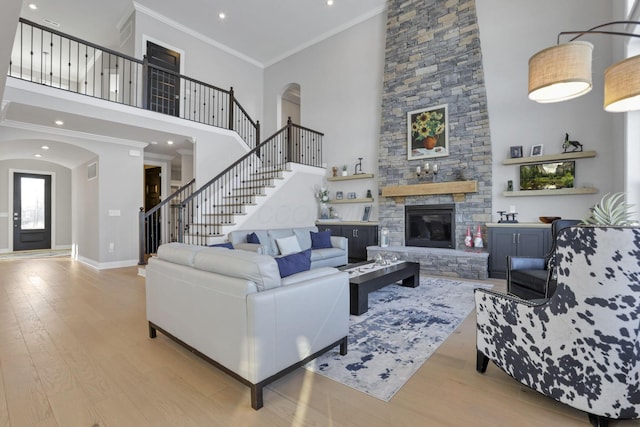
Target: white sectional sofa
{"points": [[233, 308], [335, 256]]}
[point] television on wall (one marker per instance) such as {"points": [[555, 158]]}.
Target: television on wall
{"points": [[547, 176]]}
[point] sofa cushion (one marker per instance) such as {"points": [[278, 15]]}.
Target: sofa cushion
{"points": [[227, 245], [288, 245], [321, 240], [275, 234], [318, 254], [260, 269], [179, 253], [253, 238], [304, 236], [294, 263]]}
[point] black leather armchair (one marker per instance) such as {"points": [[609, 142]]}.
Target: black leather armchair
{"points": [[533, 278]]}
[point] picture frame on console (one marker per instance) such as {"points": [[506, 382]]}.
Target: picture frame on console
{"points": [[366, 213], [536, 150], [428, 133], [339, 195], [516, 151]]}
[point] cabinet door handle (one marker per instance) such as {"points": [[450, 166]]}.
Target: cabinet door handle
{"points": [[513, 238], [518, 238]]}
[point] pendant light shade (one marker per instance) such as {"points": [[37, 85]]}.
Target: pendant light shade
{"points": [[560, 72], [622, 86]]}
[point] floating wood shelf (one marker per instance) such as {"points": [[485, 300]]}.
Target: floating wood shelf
{"points": [[350, 177], [457, 188], [550, 158], [364, 200], [558, 192]]}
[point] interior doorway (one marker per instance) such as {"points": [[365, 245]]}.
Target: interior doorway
{"points": [[163, 88], [152, 197], [31, 211], [290, 104]]}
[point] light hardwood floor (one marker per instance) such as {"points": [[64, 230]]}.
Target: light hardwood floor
{"points": [[74, 351]]}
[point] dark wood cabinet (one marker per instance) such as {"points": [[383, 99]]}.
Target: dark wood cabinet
{"points": [[359, 236], [516, 241]]}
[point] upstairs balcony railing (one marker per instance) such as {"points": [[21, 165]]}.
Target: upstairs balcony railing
{"points": [[51, 58]]}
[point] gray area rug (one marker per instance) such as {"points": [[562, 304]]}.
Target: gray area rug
{"points": [[402, 328]]}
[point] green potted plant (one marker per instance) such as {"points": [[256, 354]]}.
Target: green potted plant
{"points": [[344, 170], [611, 210]]}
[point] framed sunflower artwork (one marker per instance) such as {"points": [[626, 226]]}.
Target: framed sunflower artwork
{"points": [[428, 133]]}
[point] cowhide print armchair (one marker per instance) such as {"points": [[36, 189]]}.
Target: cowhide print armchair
{"points": [[580, 347]]}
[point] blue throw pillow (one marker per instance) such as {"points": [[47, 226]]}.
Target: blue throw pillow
{"points": [[294, 263], [253, 238], [321, 239], [227, 245]]}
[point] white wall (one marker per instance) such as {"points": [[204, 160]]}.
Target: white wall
{"points": [[341, 90], [86, 226], [510, 32]]}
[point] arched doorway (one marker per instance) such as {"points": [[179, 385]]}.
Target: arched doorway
{"points": [[290, 104]]}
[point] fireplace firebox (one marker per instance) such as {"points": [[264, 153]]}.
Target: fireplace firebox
{"points": [[430, 226]]}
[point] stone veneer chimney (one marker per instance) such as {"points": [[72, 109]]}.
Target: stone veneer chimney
{"points": [[433, 57]]}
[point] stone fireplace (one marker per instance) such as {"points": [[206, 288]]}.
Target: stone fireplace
{"points": [[433, 57]]}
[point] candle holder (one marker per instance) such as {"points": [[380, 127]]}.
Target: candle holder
{"points": [[427, 171]]}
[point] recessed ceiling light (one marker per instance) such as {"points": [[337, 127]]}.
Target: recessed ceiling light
{"points": [[222, 15], [59, 122], [38, 155], [33, 6], [154, 142], [170, 142], [45, 147], [330, 2]]}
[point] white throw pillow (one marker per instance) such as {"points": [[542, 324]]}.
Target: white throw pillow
{"points": [[288, 245]]}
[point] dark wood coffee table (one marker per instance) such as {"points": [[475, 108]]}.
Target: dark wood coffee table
{"points": [[361, 285]]}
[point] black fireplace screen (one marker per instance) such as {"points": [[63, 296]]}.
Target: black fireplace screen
{"points": [[431, 226]]}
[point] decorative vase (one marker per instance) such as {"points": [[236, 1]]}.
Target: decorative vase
{"points": [[344, 173], [324, 211], [334, 170], [430, 142]]}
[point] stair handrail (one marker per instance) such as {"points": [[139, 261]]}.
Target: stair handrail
{"points": [[143, 217]]}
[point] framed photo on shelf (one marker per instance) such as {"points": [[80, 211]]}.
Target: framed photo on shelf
{"points": [[339, 195], [366, 213], [536, 150], [428, 133], [516, 151], [351, 195]]}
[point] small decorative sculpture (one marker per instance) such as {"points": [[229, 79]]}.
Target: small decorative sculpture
{"points": [[358, 165], [566, 144], [477, 242]]}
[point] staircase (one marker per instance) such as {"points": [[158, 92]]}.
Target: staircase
{"points": [[242, 201], [211, 212]]}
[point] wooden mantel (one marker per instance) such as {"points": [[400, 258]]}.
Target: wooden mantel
{"points": [[457, 188]]}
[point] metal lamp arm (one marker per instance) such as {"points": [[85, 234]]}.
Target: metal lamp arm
{"points": [[595, 30]]}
